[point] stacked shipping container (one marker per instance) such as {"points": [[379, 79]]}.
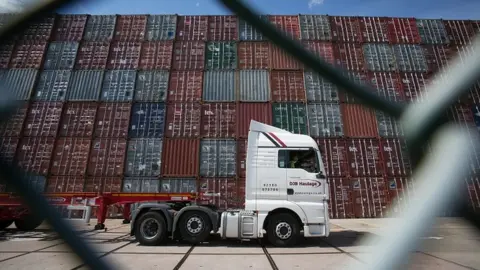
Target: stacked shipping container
{"points": [[162, 103]]}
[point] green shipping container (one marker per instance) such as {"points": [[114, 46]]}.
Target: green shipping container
{"points": [[291, 117], [221, 55]]}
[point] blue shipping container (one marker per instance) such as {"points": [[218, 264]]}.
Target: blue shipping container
{"points": [[148, 120]]}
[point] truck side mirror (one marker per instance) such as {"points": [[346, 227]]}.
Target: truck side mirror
{"points": [[320, 175]]}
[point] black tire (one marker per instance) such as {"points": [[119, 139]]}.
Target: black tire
{"points": [[290, 230], [194, 227], [29, 223], [5, 224], [151, 238]]}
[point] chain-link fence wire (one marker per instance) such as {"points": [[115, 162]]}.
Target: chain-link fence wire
{"points": [[420, 121]]}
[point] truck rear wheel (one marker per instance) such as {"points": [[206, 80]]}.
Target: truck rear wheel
{"points": [[30, 222], [150, 229], [283, 230], [5, 224], [194, 227]]}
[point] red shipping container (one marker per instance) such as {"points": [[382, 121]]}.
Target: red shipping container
{"points": [[6, 51], [438, 56], [180, 157], [395, 157], [261, 112], [13, 127], [473, 190], [461, 114], [288, 24], [349, 56], [124, 55], [130, 27], [107, 157], [403, 30], [103, 184], [56, 184], [370, 197], [413, 85], [322, 49], [8, 148], [35, 153], [401, 190], [113, 120], [43, 119], [221, 192], [282, 60], [92, 55], [374, 29], [287, 86], [78, 119], [241, 183], [341, 198], [156, 55], [346, 29], [185, 86], [242, 157], [358, 121], [459, 31], [254, 55], [222, 28], [219, 120], [183, 120], [28, 54], [192, 28], [69, 27], [364, 157], [388, 85], [334, 156], [189, 55], [70, 156]]}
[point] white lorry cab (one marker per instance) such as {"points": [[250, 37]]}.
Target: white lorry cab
{"points": [[286, 193]]}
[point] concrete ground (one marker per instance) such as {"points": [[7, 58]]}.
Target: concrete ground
{"points": [[452, 244]]}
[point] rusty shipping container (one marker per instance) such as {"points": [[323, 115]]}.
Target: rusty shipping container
{"points": [[52, 85], [69, 27], [78, 119], [100, 27], [6, 51], [8, 148], [261, 112], [346, 29], [315, 27], [403, 30], [322, 49], [103, 184], [112, 120], [161, 27], [282, 60], [92, 55], [401, 189], [221, 55], [248, 32], [291, 117], [85, 85], [219, 86], [364, 157], [141, 185], [151, 85], [288, 24], [413, 85], [341, 198], [130, 28], [156, 55], [124, 55], [185, 86], [178, 185], [13, 127], [226, 188], [388, 126], [318, 89], [254, 85], [395, 157], [180, 157], [219, 120], [253, 55], [358, 121], [28, 54], [349, 56], [218, 158], [357, 77], [189, 55], [222, 28], [43, 119], [143, 157], [107, 157], [370, 197], [183, 120], [473, 190], [192, 28], [241, 157], [432, 31], [438, 56], [379, 57], [68, 183], [287, 86], [118, 85], [35, 153], [70, 156], [388, 85], [147, 120], [61, 55], [324, 120], [334, 156], [459, 31], [374, 29], [39, 29], [410, 58], [18, 83]]}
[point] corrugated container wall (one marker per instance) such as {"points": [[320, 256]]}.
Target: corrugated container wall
{"points": [[283, 60], [413, 86], [28, 54], [161, 27], [180, 157], [183, 120], [334, 156], [287, 86], [254, 85], [395, 156], [143, 157], [85, 85], [43, 119], [151, 86], [388, 85], [438, 56], [222, 28], [6, 51], [70, 156], [52, 85], [364, 157], [218, 158], [19, 83], [13, 127], [349, 56], [69, 27], [318, 89], [148, 120], [322, 49], [410, 58], [291, 117], [357, 77], [370, 197], [78, 119], [403, 30], [288, 24], [219, 120], [379, 57], [38, 29], [325, 120], [253, 55], [156, 55], [358, 121], [189, 55], [185, 86], [374, 29], [346, 29], [113, 120], [61, 55], [65, 184], [34, 154], [192, 28], [225, 187], [341, 198], [118, 85], [459, 32], [36, 182], [8, 148], [315, 27], [432, 31], [261, 112], [219, 86], [130, 28], [178, 185], [107, 157], [124, 55], [92, 55], [141, 185], [248, 32], [100, 27], [103, 184], [388, 126], [221, 55]]}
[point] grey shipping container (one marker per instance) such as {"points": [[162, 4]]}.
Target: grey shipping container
{"points": [[410, 58], [219, 85], [141, 185], [19, 83], [432, 31], [61, 55], [388, 126], [325, 120], [379, 57], [100, 27], [291, 117], [85, 85], [52, 85], [178, 185], [118, 85], [161, 27], [319, 89], [248, 32], [254, 85], [143, 157], [221, 55], [218, 158], [151, 85], [315, 27]]}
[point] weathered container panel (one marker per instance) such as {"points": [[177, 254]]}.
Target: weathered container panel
{"points": [[322, 49], [364, 157], [219, 86], [107, 157], [189, 55], [100, 27], [141, 185], [287, 86], [156, 55], [18, 83], [148, 120], [358, 121], [318, 89], [315, 27], [192, 28], [178, 185], [403, 30], [395, 156], [325, 120], [349, 56], [130, 28], [334, 156], [356, 77], [28, 54], [124, 55], [282, 60], [112, 120], [34, 154], [69, 183], [370, 197], [254, 55], [144, 157], [288, 24], [52, 85], [180, 157], [103, 184], [341, 198], [379, 57], [432, 31], [13, 126], [118, 85], [388, 85], [39, 29], [161, 27], [70, 156], [374, 29], [254, 85], [69, 27], [248, 32], [438, 56], [410, 58], [92, 55], [219, 120], [401, 189], [61, 55], [8, 148], [78, 119], [85, 85], [388, 126], [222, 28], [151, 86], [346, 29], [43, 119], [459, 31], [413, 85], [291, 117], [185, 86], [261, 112], [226, 188], [241, 157], [218, 158], [6, 51], [221, 55], [183, 120]]}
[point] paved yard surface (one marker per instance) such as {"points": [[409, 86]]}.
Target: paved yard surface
{"points": [[450, 245]]}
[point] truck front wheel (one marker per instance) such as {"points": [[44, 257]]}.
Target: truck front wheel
{"points": [[283, 230], [194, 227], [150, 229], [28, 223]]}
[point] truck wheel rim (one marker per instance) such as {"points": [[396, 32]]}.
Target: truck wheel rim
{"points": [[194, 225], [283, 230], [149, 228]]}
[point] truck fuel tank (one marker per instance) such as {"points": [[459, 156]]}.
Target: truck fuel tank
{"points": [[240, 224]]}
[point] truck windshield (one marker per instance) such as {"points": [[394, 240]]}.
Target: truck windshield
{"points": [[299, 159]]}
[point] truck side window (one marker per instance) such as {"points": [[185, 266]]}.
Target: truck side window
{"points": [[298, 159]]}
